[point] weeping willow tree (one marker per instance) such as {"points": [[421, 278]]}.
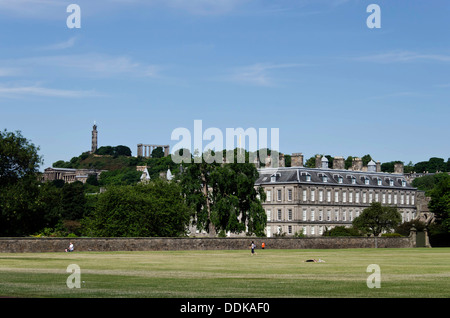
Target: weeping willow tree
{"points": [[223, 195]]}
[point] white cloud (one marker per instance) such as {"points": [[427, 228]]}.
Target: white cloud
{"points": [[85, 65], [259, 74], [61, 45], [403, 57], [22, 91]]}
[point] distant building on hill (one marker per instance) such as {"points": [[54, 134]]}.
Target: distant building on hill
{"points": [[69, 175]]}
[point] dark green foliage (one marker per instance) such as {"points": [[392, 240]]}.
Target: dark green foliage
{"points": [[341, 231], [156, 209], [377, 219]]}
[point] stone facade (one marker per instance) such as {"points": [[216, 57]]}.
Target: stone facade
{"points": [[309, 201]]}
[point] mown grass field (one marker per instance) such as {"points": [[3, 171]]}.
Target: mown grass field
{"points": [[418, 273]]}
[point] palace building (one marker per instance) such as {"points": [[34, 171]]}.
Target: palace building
{"points": [[309, 201]]}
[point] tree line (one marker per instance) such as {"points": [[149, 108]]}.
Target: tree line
{"points": [[212, 197]]}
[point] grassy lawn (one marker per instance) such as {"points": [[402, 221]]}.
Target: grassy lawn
{"points": [[419, 272]]}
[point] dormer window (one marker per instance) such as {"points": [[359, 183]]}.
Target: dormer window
{"points": [[379, 181], [366, 181], [403, 183], [353, 180], [391, 182], [273, 178], [324, 178], [340, 179], [308, 177]]}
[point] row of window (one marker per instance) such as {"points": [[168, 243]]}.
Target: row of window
{"points": [[344, 196], [340, 179], [315, 229], [328, 215]]}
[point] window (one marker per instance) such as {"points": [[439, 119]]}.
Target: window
{"points": [[313, 195], [336, 215], [336, 196], [350, 215], [279, 215], [403, 183], [389, 198], [391, 182], [344, 196], [320, 215], [279, 195], [350, 197], [289, 229], [370, 197], [273, 178], [329, 215], [366, 181], [320, 195], [402, 199], [340, 179], [269, 215], [383, 200], [329, 196], [308, 177], [313, 230], [325, 178], [269, 195], [412, 199], [344, 215], [379, 181], [407, 199], [290, 214], [395, 198], [304, 195], [357, 197], [364, 198], [320, 230], [289, 194], [377, 197], [304, 214], [312, 215], [353, 180]]}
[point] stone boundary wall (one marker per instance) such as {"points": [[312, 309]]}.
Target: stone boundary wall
{"points": [[36, 245]]}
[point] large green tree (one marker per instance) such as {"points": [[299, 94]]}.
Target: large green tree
{"points": [[440, 203], [19, 164], [223, 195], [377, 219], [156, 209]]}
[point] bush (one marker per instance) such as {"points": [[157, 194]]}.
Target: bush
{"points": [[341, 231]]}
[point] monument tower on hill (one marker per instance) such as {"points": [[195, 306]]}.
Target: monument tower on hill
{"points": [[94, 138]]}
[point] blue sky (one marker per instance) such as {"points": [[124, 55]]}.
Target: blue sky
{"points": [[311, 68]]}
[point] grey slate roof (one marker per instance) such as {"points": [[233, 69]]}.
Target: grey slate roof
{"points": [[299, 175]]}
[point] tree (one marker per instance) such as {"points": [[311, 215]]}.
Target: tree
{"points": [[341, 231], [377, 219], [19, 163], [19, 158], [156, 209], [223, 196], [73, 201], [440, 203]]}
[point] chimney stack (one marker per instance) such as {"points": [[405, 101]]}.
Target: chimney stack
{"points": [[357, 164], [339, 163], [398, 168], [297, 160]]}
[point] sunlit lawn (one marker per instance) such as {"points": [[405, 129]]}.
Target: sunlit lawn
{"points": [[419, 272]]}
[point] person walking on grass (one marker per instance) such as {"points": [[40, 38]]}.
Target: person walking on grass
{"points": [[253, 246]]}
